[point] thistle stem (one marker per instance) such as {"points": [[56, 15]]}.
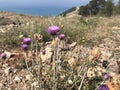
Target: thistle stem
{"points": [[79, 88], [26, 59]]}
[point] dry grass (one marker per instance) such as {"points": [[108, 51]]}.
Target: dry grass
{"points": [[77, 28], [58, 74]]}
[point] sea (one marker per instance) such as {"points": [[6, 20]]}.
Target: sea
{"points": [[36, 11]]}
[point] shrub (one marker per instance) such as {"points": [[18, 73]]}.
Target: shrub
{"points": [[5, 21]]}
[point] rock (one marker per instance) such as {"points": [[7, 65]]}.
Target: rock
{"points": [[90, 73], [109, 43], [17, 79], [1, 85], [47, 43], [28, 23], [5, 65], [16, 55], [113, 66], [99, 73], [114, 83], [98, 69], [3, 30], [116, 27], [11, 55], [70, 82], [106, 55], [94, 54], [15, 70], [72, 61], [21, 36], [28, 77], [11, 25], [47, 56], [34, 84], [113, 86], [10, 89], [8, 54], [7, 70], [72, 45], [62, 77]]}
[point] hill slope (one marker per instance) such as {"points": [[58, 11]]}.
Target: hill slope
{"points": [[90, 49], [71, 12]]}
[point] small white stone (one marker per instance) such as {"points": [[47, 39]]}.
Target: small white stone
{"points": [[72, 61], [62, 77], [21, 36], [4, 65], [17, 79], [15, 70], [34, 84], [70, 81], [9, 89], [93, 75], [7, 71], [72, 45], [99, 73], [8, 54], [1, 84], [99, 68], [28, 77]]}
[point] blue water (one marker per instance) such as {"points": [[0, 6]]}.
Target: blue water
{"points": [[38, 11]]}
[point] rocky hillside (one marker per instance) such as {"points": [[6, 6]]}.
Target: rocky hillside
{"points": [[87, 58]]}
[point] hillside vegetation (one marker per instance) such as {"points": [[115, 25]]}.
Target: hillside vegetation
{"points": [[75, 28], [90, 50], [97, 7]]}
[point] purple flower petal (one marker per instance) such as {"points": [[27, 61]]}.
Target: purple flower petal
{"points": [[61, 36], [103, 87], [106, 76], [53, 30], [3, 55], [27, 40], [24, 46]]}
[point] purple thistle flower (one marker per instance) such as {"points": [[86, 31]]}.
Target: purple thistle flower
{"points": [[106, 76], [61, 36], [27, 40], [53, 30], [43, 52], [3, 55], [24, 47], [103, 87]]}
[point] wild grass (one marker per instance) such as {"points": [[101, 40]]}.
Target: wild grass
{"points": [[59, 75], [77, 29]]}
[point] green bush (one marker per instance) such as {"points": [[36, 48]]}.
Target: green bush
{"points": [[5, 21]]}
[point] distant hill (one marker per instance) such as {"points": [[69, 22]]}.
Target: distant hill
{"points": [[71, 11]]}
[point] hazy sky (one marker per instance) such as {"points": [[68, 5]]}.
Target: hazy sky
{"points": [[43, 2]]}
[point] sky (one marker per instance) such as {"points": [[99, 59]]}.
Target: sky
{"points": [[43, 2]]}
